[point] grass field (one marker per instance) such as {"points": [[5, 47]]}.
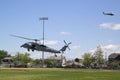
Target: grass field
{"points": [[58, 74]]}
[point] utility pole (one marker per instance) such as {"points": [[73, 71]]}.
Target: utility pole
{"points": [[43, 19]]}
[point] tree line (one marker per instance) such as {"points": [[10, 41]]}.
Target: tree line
{"points": [[96, 58], [89, 59], [22, 59]]}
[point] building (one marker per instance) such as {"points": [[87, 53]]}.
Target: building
{"points": [[59, 61], [7, 62], [114, 57], [114, 61]]}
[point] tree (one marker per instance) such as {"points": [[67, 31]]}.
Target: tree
{"points": [[18, 57], [37, 61], [88, 59], [49, 62], [3, 54], [98, 55], [22, 59], [26, 58], [114, 65]]}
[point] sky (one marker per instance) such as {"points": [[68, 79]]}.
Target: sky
{"points": [[78, 21]]}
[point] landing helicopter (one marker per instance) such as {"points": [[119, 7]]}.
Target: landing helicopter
{"points": [[40, 47], [110, 14]]}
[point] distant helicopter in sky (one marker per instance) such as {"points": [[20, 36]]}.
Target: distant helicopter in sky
{"points": [[40, 47], [110, 14]]}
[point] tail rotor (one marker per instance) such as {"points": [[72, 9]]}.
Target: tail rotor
{"points": [[67, 44]]}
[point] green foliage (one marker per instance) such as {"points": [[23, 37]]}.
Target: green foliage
{"points": [[99, 55], [18, 56], [3, 54], [114, 64], [26, 58], [88, 59], [22, 58], [37, 61], [46, 61], [49, 62]]}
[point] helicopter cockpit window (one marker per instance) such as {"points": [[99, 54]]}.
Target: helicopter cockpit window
{"points": [[43, 45], [29, 43]]}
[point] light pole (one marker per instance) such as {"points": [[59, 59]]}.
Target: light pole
{"points": [[43, 18]]}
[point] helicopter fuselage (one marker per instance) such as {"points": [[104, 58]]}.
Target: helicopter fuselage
{"points": [[39, 47], [110, 14]]}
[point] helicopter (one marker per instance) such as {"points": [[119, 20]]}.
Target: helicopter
{"points": [[41, 47], [110, 14]]}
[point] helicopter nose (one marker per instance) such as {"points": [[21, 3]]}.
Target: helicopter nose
{"points": [[24, 45]]}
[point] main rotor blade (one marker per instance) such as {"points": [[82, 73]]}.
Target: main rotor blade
{"points": [[25, 38]]}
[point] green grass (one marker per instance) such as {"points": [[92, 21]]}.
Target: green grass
{"points": [[58, 74]]}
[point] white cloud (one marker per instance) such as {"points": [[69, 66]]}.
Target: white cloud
{"points": [[65, 33], [75, 47], [106, 25], [110, 47], [92, 51], [116, 27], [110, 26]]}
